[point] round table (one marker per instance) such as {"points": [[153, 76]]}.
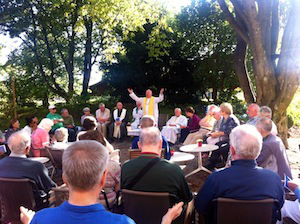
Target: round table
{"points": [[196, 148], [40, 159], [181, 157]]}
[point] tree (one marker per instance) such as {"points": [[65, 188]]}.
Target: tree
{"points": [[208, 43], [60, 33], [275, 60]]}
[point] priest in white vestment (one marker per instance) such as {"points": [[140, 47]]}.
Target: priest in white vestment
{"points": [[149, 103], [173, 126], [137, 114], [117, 129]]}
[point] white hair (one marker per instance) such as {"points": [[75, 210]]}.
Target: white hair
{"points": [[18, 142], [61, 134], [177, 108], [246, 141], [46, 124], [150, 136], [84, 163]]}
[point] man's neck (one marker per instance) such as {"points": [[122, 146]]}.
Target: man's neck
{"points": [[84, 198], [12, 154], [151, 150]]}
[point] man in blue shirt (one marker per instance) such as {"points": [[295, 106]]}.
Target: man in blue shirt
{"points": [[146, 122], [84, 172], [244, 180]]}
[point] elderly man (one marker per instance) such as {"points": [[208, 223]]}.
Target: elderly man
{"points": [[149, 103], [137, 114], [173, 126], [69, 124], [266, 111], [161, 176], [147, 122], [243, 180], [86, 113], [206, 124], [16, 165], [102, 117], [273, 154], [117, 129], [55, 117], [84, 171], [252, 111]]}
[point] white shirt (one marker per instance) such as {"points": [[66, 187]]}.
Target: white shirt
{"points": [[178, 121]]}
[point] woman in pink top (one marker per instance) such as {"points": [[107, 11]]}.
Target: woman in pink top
{"points": [[40, 137]]}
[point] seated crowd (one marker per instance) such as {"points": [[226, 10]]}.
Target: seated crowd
{"points": [[255, 158]]}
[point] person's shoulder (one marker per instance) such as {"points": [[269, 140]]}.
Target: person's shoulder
{"points": [[47, 215], [267, 173], [119, 218]]}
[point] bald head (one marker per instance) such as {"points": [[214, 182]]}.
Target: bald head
{"points": [[148, 93], [150, 138], [120, 106], [19, 143], [147, 121], [253, 110]]}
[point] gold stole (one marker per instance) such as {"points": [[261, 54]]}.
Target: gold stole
{"points": [[150, 106]]}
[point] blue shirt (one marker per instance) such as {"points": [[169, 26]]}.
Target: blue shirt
{"points": [[71, 214], [244, 180], [165, 145]]}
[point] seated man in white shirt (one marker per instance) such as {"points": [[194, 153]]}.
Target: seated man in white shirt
{"points": [[137, 114], [173, 126]]}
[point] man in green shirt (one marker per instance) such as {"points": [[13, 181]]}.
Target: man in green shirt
{"points": [[69, 124], [163, 176], [56, 118]]}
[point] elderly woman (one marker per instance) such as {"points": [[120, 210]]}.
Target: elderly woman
{"points": [[61, 137], [193, 124], [221, 137], [90, 124], [13, 127], [40, 137]]}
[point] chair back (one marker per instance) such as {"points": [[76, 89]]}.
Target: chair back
{"points": [[56, 157], [152, 206], [13, 194], [134, 153], [61, 194], [244, 211], [162, 120]]}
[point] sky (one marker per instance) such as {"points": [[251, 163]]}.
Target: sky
{"points": [[8, 44]]}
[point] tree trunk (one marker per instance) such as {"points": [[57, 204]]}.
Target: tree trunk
{"points": [[87, 57], [241, 70]]}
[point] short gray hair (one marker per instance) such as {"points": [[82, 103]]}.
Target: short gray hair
{"points": [[61, 134], [101, 104], [84, 163], [246, 141], [147, 121], [18, 142], [63, 110], [265, 124], [177, 108], [150, 136], [265, 111]]}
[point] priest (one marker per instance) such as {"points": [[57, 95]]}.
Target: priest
{"points": [[173, 126], [149, 103], [137, 114], [117, 129]]}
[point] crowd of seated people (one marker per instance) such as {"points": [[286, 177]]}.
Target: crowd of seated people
{"points": [[256, 159]]}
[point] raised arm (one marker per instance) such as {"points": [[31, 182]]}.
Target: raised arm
{"points": [[161, 96], [133, 96]]}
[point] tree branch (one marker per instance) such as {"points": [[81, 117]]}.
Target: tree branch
{"points": [[234, 24]]}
